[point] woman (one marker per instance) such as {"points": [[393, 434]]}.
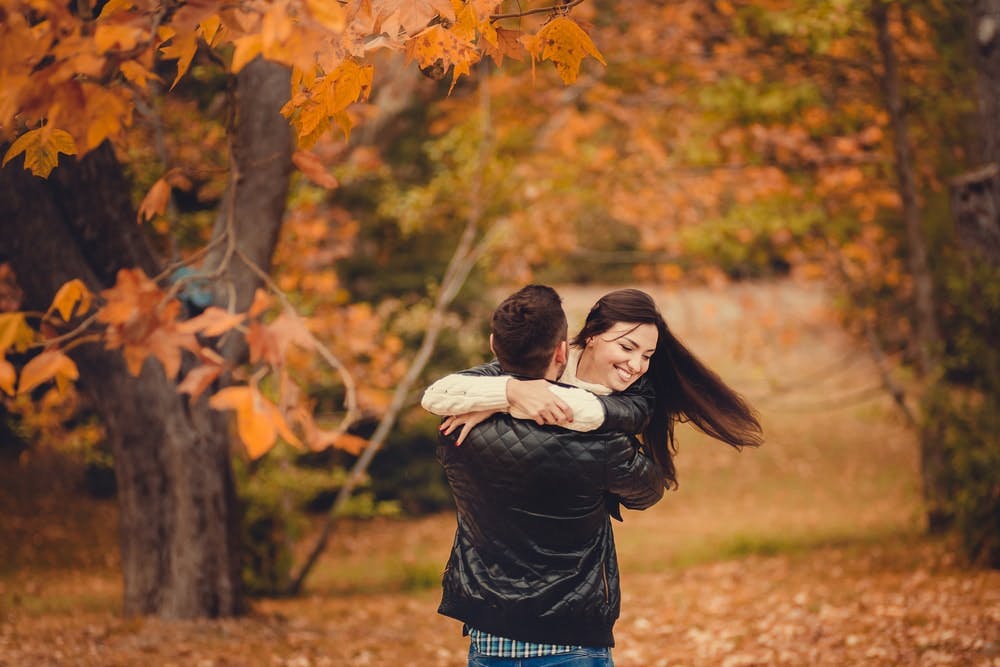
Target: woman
{"points": [[624, 338]]}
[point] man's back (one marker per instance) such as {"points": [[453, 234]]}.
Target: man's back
{"points": [[534, 555]]}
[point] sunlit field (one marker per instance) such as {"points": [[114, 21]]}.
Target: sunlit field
{"points": [[806, 551]]}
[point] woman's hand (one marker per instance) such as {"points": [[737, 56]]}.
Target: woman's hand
{"points": [[466, 421], [532, 399]]}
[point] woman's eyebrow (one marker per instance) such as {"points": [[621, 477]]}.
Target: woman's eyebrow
{"points": [[635, 344]]}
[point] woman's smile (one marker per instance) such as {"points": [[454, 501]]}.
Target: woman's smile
{"points": [[619, 356]]}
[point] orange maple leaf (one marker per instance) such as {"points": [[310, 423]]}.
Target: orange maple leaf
{"points": [[155, 202], [565, 43], [198, 379], [499, 43], [258, 420], [438, 49], [263, 345], [49, 365], [142, 324], [214, 321], [409, 16]]}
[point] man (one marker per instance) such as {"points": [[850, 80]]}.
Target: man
{"points": [[533, 571]]}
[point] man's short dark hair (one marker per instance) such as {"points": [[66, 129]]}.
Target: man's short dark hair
{"points": [[527, 327]]}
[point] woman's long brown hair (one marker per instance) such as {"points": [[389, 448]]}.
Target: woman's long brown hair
{"points": [[686, 389]]}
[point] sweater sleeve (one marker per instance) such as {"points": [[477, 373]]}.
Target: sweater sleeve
{"points": [[483, 388], [480, 388]]}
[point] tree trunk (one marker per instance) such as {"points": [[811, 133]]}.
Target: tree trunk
{"points": [[976, 195], [261, 165], [985, 27], [178, 512], [932, 458], [926, 323]]}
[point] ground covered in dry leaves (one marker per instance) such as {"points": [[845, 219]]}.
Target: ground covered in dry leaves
{"points": [[898, 602]]}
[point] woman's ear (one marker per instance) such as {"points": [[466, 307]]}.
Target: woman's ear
{"points": [[492, 349]]}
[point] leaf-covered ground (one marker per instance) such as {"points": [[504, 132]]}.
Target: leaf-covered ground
{"points": [[902, 602], [805, 552]]}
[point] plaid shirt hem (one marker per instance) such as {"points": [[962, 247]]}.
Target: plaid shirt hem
{"points": [[502, 647]]}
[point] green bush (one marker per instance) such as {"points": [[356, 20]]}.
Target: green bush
{"points": [[969, 427], [963, 411], [277, 494]]}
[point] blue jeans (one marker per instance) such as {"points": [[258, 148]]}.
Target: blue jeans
{"points": [[583, 657]]}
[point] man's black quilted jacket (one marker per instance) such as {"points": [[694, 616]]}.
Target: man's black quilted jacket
{"points": [[534, 555]]}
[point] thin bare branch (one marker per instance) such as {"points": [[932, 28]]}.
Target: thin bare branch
{"points": [[462, 261], [555, 9]]}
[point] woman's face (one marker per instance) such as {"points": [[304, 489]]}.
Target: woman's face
{"points": [[619, 356]]}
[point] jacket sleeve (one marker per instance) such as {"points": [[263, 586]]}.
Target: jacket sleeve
{"points": [[485, 388], [629, 411], [633, 477]]}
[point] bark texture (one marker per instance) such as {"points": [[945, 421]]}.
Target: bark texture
{"points": [[932, 456], [179, 514], [179, 526]]}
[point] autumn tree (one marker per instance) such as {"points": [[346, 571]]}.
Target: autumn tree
{"points": [[161, 366]]}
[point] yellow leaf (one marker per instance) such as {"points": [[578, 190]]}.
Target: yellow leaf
{"points": [[49, 365], [108, 36], [344, 122], [108, 113], [69, 295], [437, 49], [465, 23], [41, 149], [246, 49], [136, 73], [7, 377], [347, 84], [258, 421], [114, 6], [210, 28], [155, 202], [14, 332], [330, 14], [565, 43], [182, 48]]}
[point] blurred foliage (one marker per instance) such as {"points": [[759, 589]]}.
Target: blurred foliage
{"points": [[964, 408]]}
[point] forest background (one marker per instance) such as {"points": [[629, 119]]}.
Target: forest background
{"points": [[308, 243]]}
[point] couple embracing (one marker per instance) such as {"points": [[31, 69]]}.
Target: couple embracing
{"points": [[542, 447]]}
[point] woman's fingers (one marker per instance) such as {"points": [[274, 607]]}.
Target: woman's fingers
{"points": [[467, 421]]}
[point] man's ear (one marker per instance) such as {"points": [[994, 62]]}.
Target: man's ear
{"points": [[492, 349], [562, 353]]}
